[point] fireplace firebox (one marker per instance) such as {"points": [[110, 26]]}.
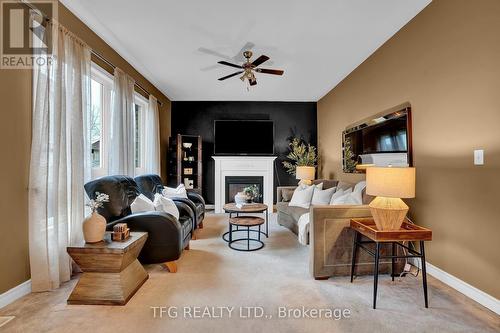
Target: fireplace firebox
{"points": [[235, 184]]}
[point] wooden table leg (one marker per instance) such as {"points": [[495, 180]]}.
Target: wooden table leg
{"points": [[424, 273], [375, 275], [354, 251]]}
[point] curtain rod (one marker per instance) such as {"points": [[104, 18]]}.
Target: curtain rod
{"points": [[109, 63]]}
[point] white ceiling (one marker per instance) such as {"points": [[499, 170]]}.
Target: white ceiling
{"points": [[176, 44]]}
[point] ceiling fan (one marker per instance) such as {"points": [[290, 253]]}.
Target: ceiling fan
{"points": [[249, 68]]}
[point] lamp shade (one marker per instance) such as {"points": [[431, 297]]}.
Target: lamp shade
{"points": [[305, 172], [390, 182]]}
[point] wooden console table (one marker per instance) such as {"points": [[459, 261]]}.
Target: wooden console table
{"points": [[407, 232], [111, 272]]}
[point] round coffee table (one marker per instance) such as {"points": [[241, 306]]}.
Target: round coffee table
{"points": [[252, 208], [248, 222]]}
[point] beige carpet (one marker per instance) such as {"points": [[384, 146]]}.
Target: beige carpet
{"points": [[277, 276]]}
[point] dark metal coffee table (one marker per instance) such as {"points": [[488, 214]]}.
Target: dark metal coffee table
{"points": [[241, 222], [252, 208]]}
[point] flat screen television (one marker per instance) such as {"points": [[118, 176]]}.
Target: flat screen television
{"points": [[244, 137]]}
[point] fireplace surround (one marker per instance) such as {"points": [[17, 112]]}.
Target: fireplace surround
{"points": [[241, 167]]}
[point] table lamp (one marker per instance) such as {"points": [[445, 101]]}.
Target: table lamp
{"points": [[389, 185], [305, 174]]}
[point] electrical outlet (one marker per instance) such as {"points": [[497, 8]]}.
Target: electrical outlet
{"points": [[479, 157], [407, 267]]}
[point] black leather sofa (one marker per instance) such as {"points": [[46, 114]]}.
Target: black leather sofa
{"points": [[167, 236], [151, 184]]}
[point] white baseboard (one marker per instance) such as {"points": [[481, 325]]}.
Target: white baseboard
{"points": [[210, 206], [461, 286], [15, 293]]}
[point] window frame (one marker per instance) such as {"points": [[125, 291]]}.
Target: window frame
{"points": [[143, 104], [101, 76]]}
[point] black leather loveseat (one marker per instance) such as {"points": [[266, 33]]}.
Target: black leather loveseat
{"points": [[167, 236], [151, 184]]}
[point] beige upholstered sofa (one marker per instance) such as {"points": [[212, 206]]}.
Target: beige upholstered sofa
{"points": [[330, 237]]}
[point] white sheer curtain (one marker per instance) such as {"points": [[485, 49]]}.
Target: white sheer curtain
{"points": [[121, 132], [60, 158], [152, 137]]}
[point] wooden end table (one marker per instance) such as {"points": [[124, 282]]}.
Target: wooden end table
{"points": [[253, 208], [111, 272], [407, 232]]}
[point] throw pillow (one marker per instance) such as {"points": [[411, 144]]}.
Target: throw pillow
{"points": [[359, 187], [167, 205], [286, 194], [142, 204], [342, 198], [178, 192], [302, 196], [322, 197], [338, 193]]}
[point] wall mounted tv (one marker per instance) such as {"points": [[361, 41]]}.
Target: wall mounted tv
{"points": [[381, 140], [244, 137]]}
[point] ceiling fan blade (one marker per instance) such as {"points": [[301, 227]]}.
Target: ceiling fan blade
{"points": [[229, 64], [260, 60], [269, 71], [253, 82], [230, 75]]}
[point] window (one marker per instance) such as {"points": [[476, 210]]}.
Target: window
{"points": [[140, 109], [101, 89]]}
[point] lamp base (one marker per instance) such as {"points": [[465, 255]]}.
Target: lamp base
{"points": [[305, 182], [388, 213]]}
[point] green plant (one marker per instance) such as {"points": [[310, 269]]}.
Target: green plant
{"points": [[252, 191], [300, 154], [349, 157]]}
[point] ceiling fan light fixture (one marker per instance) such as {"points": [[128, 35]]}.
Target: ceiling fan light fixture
{"points": [[249, 68]]}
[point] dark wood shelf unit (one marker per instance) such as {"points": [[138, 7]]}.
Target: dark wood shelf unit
{"points": [[177, 164]]}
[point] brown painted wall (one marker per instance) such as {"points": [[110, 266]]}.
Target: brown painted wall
{"points": [[15, 134], [446, 63]]}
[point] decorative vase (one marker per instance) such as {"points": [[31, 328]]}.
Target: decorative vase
{"points": [[240, 198], [94, 227]]}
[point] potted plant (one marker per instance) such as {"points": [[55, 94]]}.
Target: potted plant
{"points": [[94, 225], [300, 154], [251, 193]]}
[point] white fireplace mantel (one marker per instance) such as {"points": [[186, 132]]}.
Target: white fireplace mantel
{"points": [[226, 166]]}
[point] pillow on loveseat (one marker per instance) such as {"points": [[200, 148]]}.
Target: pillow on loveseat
{"points": [[302, 195]]}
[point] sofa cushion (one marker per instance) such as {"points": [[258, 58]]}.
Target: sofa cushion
{"points": [[286, 194], [164, 204], [294, 212], [302, 196], [327, 183], [322, 197]]}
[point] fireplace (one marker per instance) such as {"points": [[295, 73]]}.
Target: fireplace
{"points": [[244, 167], [235, 184]]}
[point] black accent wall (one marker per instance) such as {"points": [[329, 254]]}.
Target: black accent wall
{"points": [[290, 119]]}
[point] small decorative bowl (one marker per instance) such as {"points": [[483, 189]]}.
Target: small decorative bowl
{"points": [[187, 145]]}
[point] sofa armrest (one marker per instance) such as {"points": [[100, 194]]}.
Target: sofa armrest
{"points": [[279, 192], [161, 227], [329, 230], [196, 198]]}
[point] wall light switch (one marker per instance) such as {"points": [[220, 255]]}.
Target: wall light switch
{"points": [[479, 157]]}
